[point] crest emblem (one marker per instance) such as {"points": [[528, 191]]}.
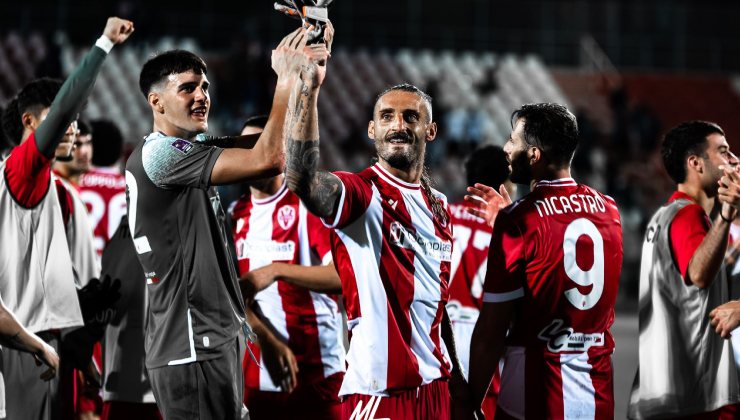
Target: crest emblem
{"points": [[286, 217]]}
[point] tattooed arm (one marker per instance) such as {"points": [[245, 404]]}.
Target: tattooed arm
{"points": [[320, 191]]}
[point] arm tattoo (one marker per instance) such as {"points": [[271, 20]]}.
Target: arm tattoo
{"points": [[319, 190]]}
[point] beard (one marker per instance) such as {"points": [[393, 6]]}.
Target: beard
{"points": [[403, 158], [521, 172]]}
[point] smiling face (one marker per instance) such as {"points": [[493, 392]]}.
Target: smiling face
{"points": [[181, 104], [401, 126]]}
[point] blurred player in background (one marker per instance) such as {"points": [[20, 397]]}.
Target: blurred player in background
{"points": [[37, 277], [486, 166], [552, 280], [685, 369], [102, 186], [127, 393], [299, 326]]}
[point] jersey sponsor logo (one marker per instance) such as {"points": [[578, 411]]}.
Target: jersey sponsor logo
{"points": [[561, 339], [393, 203], [402, 237], [286, 216], [368, 412], [182, 146], [272, 250]]}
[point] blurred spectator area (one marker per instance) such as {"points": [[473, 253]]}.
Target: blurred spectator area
{"points": [[19, 58], [622, 115]]}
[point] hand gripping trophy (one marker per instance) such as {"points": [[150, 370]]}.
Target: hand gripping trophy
{"points": [[314, 14]]}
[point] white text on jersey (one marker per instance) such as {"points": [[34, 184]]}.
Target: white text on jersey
{"points": [[574, 203]]}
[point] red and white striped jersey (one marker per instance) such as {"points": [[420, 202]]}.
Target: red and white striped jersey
{"points": [[280, 229], [471, 236], [103, 190], [559, 251], [394, 260]]}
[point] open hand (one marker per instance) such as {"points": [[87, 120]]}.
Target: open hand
{"points": [[288, 57], [487, 202]]}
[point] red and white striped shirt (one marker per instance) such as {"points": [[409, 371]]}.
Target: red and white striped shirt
{"points": [[103, 190], [559, 251], [280, 229], [393, 258]]}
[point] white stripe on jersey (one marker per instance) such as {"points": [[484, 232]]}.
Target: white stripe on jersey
{"points": [[330, 333], [503, 297], [269, 300], [190, 359], [367, 344], [578, 389], [426, 291]]}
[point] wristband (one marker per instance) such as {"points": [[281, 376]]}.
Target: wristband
{"points": [[726, 220], [104, 43]]}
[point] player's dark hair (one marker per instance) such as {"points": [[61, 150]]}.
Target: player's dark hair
{"points": [[426, 180], [169, 62], [84, 127], [686, 139], [487, 165], [34, 97], [408, 87], [107, 143], [255, 121], [551, 128]]}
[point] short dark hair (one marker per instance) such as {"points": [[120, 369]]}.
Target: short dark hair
{"points": [[552, 128], [684, 140], [34, 97], [84, 127], [255, 121], [487, 165], [167, 63], [107, 142], [407, 87]]}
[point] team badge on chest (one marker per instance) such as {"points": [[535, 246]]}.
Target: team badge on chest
{"points": [[286, 217]]}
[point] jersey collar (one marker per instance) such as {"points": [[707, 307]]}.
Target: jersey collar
{"points": [[562, 182]]}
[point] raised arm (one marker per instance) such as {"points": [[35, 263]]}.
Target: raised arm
{"points": [[75, 90], [708, 257], [320, 191], [248, 159]]}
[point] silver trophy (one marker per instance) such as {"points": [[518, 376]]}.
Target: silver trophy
{"points": [[313, 15]]}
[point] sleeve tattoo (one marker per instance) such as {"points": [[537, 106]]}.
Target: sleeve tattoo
{"points": [[319, 190]]}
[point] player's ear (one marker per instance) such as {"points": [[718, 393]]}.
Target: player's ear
{"points": [[696, 163], [371, 130], [431, 131], [534, 155], [29, 121], [155, 101]]}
